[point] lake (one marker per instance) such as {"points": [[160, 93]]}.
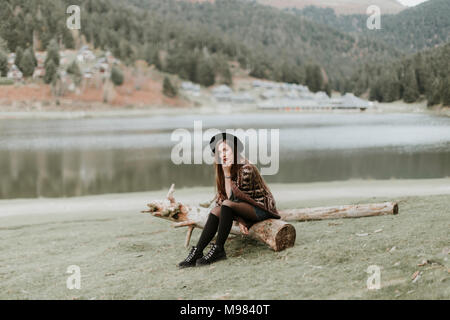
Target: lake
{"points": [[62, 158]]}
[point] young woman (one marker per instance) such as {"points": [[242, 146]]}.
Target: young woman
{"points": [[242, 195]]}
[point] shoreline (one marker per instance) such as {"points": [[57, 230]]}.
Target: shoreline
{"points": [[379, 108], [314, 194]]}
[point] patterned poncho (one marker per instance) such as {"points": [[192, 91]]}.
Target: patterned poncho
{"points": [[249, 186]]}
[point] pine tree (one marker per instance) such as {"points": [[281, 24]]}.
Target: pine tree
{"points": [[191, 67], [53, 53], [288, 74], [389, 86], [258, 71], [223, 70], [411, 90], [3, 45], [50, 72], [434, 93], [3, 64], [157, 61], [314, 78], [33, 56], [116, 76], [51, 63], [168, 89], [227, 78], [74, 70], [260, 68], [375, 91], [18, 59], [27, 63], [445, 91], [205, 73], [125, 52], [422, 73], [67, 39], [149, 53]]}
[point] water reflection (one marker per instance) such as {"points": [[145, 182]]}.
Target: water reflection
{"points": [[62, 158], [83, 172]]}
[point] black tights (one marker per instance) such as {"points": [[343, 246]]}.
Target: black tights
{"points": [[221, 220]]}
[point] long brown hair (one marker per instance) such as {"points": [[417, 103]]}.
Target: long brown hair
{"points": [[238, 162], [220, 179]]}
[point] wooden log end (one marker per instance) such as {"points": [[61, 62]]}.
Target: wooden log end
{"points": [[285, 237], [277, 234], [395, 209]]}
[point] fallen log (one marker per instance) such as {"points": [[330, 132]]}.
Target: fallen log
{"points": [[275, 233], [336, 212]]}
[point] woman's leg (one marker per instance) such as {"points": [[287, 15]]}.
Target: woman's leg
{"points": [[227, 211], [210, 229]]}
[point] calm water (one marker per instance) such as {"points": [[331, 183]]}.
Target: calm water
{"points": [[56, 158]]}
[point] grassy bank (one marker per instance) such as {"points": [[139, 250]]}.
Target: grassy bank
{"points": [[126, 255]]}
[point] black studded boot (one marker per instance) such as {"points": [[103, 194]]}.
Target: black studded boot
{"points": [[193, 255], [216, 253]]}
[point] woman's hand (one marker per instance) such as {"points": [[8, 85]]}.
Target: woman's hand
{"points": [[243, 226]]}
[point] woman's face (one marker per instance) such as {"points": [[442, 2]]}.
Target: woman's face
{"points": [[225, 154]]}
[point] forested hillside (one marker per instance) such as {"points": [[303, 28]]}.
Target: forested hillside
{"points": [[277, 45], [424, 26], [197, 40], [340, 6], [425, 73]]}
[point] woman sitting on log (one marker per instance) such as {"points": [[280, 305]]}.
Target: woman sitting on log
{"points": [[242, 195]]}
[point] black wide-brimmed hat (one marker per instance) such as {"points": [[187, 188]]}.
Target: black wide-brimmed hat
{"points": [[231, 140]]}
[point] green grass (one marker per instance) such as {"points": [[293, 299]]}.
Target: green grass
{"points": [[6, 82], [134, 256]]}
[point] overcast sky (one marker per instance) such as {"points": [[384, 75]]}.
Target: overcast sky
{"points": [[411, 2]]}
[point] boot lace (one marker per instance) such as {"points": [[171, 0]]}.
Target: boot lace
{"points": [[211, 251], [191, 254]]}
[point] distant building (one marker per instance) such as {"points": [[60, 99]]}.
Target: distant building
{"points": [[290, 104], [11, 58], [39, 72], [241, 98], [350, 101], [85, 55], [291, 95], [222, 90], [102, 67], [266, 84], [88, 74], [110, 59], [14, 73], [40, 57], [222, 93], [268, 94], [316, 101], [189, 86]]}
